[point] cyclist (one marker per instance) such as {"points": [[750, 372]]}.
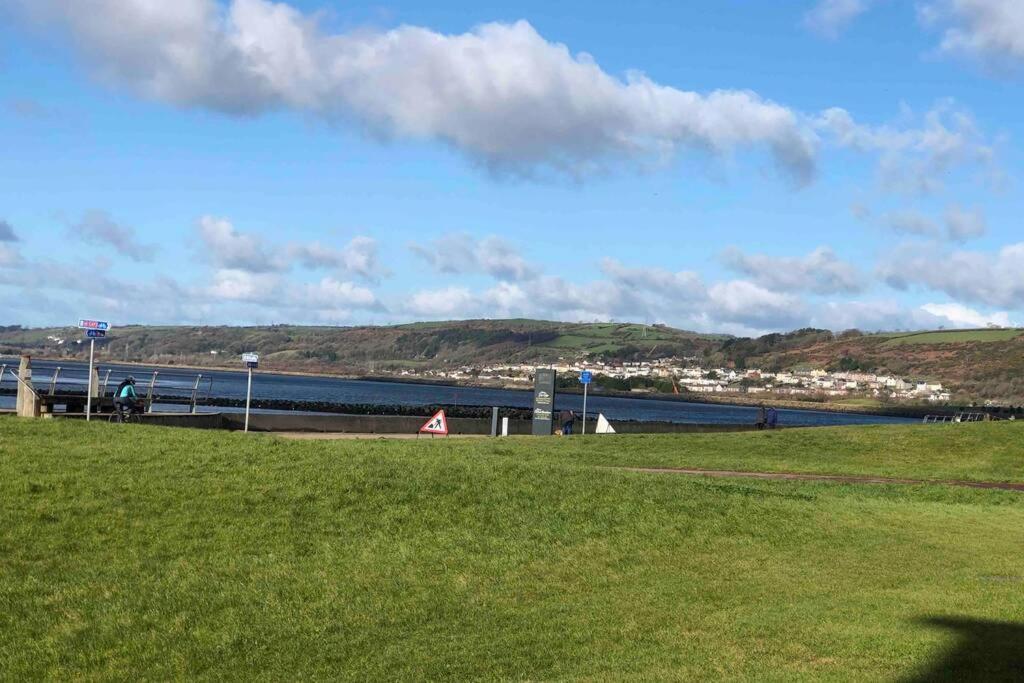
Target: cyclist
{"points": [[124, 397]]}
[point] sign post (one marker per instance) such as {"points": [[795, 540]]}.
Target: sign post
{"points": [[94, 329], [252, 361], [436, 425], [543, 401], [585, 378]]}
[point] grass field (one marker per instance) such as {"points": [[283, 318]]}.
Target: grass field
{"points": [[955, 337], [149, 553]]}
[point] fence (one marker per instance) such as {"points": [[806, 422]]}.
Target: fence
{"points": [[57, 385], [959, 417]]}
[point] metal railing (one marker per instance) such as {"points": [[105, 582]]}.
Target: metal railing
{"points": [[954, 419], [190, 389]]}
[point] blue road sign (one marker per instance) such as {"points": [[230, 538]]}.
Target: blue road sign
{"points": [[96, 334], [586, 377]]}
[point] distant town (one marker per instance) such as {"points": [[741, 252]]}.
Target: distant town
{"points": [[686, 376]]}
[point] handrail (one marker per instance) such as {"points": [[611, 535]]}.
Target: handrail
{"points": [[53, 381], [27, 384]]}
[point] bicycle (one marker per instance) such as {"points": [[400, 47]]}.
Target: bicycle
{"points": [[128, 415]]}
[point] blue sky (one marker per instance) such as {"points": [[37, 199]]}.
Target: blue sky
{"points": [[716, 165]]}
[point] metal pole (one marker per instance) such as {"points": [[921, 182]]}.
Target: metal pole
{"points": [[248, 399], [194, 390], [149, 394], [585, 409], [88, 392], [53, 381]]}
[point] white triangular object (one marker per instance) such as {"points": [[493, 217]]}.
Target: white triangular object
{"points": [[436, 425], [603, 425]]}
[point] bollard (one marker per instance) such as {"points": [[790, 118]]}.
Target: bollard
{"points": [[494, 422], [27, 401], [94, 382]]}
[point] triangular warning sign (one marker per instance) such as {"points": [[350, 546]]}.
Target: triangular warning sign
{"points": [[603, 426], [436, 425]]}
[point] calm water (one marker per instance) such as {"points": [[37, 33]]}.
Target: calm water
{"points": [[335, 390]]}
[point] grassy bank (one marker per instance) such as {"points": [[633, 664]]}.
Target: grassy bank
{"points": [[141, 552]]}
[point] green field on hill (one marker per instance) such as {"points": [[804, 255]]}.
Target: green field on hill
{"points": [[154, 553], [955, 336]]}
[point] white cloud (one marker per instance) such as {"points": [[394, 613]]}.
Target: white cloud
{"points": [[461, 253], [821, 271], [679, 287], [910, 222], [358, 257], [993, 280], [9, 256], [963, 224], [959, 224], [501, 93], [98, 228], [889, 315], [331, 293], [744, 302], [962, 316], [229, 249], [917, 156], [244, 285], [448, 302], [829, 17], [990, 30]]}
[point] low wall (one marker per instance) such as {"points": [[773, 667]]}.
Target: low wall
{"points": [[362, 424], [395, 424], [391, 424], [190, 420]]}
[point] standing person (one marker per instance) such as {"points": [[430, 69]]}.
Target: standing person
{"points": [[762, 418], [773, 418], [567, 417]]}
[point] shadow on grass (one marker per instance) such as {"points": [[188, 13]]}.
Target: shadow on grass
{"points": [[982, 651]]}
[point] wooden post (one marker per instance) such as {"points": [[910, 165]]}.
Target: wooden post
{"points": [[27, 401]]}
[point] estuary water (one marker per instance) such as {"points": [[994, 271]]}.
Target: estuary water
{"points": [[267, 385]]}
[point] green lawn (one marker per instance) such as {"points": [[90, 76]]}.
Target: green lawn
{"points": [[149, 553], [955, 336]]}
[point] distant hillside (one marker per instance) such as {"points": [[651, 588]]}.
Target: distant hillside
{"points": [[362, 349], [979, 364], [985, 363]]}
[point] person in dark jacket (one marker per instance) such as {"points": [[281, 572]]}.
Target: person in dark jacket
{"points": [[567, 417], [762, 418], [125, 396], [773, 418]]}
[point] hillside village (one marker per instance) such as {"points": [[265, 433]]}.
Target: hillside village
{"points": [[686, 376], [984, 366]]}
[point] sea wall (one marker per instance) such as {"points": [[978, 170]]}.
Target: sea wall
{"points": [[392, 424]]}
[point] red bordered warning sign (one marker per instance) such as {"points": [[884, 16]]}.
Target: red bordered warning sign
{"points": [[436, 425]]}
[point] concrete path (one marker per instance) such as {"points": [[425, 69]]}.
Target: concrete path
{"points": [[837, 478]]}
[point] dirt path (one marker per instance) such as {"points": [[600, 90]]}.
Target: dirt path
{"points": [[838, 478]]}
